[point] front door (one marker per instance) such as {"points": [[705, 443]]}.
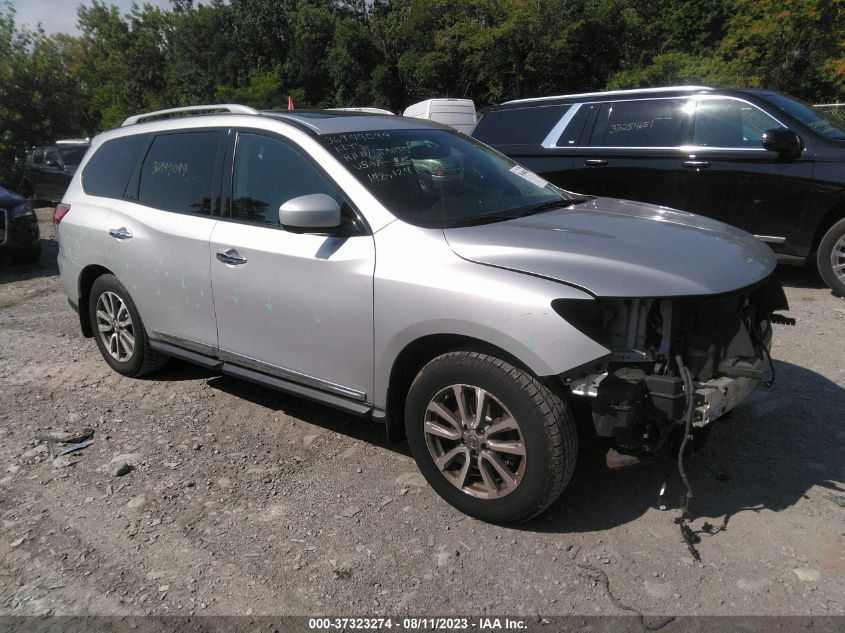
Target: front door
{"points": [[296, 305], [726, 173]]}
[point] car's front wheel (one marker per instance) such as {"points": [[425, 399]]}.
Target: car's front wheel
{"points": [[489, 437], [831, 258], [119, 331]]}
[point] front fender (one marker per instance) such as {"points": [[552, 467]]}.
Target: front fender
{"points": [[422, 289]]}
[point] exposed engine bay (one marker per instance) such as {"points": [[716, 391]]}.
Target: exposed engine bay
{"points": [[718, 344]]}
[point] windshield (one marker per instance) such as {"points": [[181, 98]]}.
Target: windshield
{"points": [[814, 118], [437, 178], [72, 155]]}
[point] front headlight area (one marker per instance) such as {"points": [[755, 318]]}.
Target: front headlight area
{"points": [[636, 392]]}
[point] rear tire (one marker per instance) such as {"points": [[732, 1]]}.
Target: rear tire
{"points": [[119, 331], [524, 440], [832, 254]]}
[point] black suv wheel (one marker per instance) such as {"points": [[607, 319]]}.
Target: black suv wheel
{"points": [[489, 437], [831, 258]]}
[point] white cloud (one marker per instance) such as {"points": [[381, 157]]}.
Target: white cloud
{"points": [[59, 16]]}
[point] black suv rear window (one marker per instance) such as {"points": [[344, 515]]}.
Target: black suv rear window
{"points": [[518, 126], [178, 171], [109, 170]]}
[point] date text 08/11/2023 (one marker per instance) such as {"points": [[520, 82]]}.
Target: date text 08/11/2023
{"points": [[418, 623]]}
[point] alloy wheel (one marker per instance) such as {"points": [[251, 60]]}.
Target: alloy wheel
{"points": [[475, 441], [115, 327], [837, 259]]}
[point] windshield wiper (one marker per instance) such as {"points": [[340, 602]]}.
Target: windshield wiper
{"points": [[514, 213]]}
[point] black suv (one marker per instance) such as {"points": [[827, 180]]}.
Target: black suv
{"points": [[757, 159], [19, 235], [47, 170]]}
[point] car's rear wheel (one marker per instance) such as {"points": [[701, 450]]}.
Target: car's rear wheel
{"points": [[831, 258], [119, 331], [489, 437]]}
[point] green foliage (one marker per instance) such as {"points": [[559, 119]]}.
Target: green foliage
{"points": [[40, 96], [390, 53]]}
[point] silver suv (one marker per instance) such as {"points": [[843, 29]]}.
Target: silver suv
{"points": [[301, 251]]}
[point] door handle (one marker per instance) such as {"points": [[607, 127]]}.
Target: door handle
{"points": [[231, 256], [696, 164], [120, 234], [595, 162]]}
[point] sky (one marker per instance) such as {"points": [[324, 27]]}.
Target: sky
{"points": [[59, 16]]}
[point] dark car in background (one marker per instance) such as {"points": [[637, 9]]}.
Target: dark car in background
{"points": [[760, 160], [47, 170], [19, 236]]}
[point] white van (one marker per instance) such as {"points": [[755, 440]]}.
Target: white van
{"points": [[456, 113]]}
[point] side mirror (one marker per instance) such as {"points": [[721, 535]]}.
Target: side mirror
{"points": [[782, 141], [310, 213], [51, 162]]}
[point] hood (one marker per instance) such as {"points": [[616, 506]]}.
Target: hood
{"points": [[618, 248]]}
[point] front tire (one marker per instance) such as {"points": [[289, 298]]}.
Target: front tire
{"points": [[831, 258], [489, 437], [119, 331]]}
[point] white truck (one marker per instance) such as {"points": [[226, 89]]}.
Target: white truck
{"points": [[456, 113]]}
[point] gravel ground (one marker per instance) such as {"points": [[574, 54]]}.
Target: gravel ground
{"points": [[245, 501]]}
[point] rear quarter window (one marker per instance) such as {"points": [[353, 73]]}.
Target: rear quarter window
{"points": [[111, 166], [518, 126]]}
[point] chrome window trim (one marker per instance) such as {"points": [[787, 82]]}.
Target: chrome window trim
{"points": [[550, 142], [562, 124], [698, 98]]}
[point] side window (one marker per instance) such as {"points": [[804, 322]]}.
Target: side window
{"points": [[518, 126], [730, 123], [267, 173], [178, 172], [111, 166], [646, 123]]}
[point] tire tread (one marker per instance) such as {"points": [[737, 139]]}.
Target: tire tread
{"points": [[558, 421]]}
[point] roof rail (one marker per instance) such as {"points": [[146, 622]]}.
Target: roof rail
{"points": [[612, 92], [232, 108]]}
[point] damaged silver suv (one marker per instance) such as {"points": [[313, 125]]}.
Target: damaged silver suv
{"points": [[308, 252]]}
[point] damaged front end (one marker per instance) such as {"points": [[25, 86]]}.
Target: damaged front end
{"points": [[719, 342]]}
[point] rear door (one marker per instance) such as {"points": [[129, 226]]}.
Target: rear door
{"points": [[631, 150], [160, 234], [726, 173]]}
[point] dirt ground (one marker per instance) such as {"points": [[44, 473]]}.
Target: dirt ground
{"points": [[247, 501]]}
